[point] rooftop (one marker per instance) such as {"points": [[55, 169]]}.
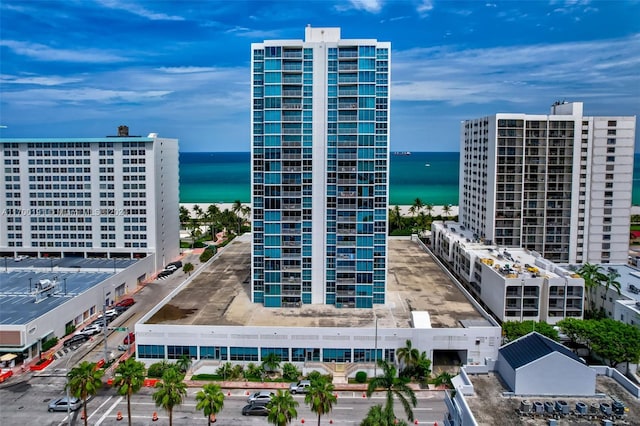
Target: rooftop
{"points": [[491, 405], [220, 295], [62, 278], [532, 347]]}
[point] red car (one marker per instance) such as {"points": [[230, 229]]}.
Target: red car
{"points": [[126, 302], [130, 339]]}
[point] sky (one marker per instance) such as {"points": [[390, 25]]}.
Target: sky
{"points": [[81, 68]]}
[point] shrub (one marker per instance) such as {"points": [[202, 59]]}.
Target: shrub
{"points": [[207, 253], [48, 344], [290, 372], [361, 377], [70, 328], [157, 370]]}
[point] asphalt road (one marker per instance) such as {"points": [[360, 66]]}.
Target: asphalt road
{"points": [[26, 404]]}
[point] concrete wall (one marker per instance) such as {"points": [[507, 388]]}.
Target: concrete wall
{"points": [[555, 374]]}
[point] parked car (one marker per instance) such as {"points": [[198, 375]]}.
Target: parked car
{"points": [[120, 309], [255, 410], [300, 387], [126, 302], [130, 339], [91, 329], [77, 339], [112, 312], [61, 404], [177, 264], [170, 268], [260, 396]]}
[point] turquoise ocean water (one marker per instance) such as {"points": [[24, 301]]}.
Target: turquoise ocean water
{"points": [[223, 177]]}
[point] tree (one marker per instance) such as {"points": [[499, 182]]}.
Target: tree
{"points": [[444, 378], [416, 206], [184, 216], [379, 416], [210, 400], [237, 209], [610, 280], [188, 268], [395, 217], [84, 381], [591, 275], [271, 362], [515, 329], [282, 408], [393, 386], [129, 377], [408, 355], [171, 391], [422, 368], [446, 210], [290, 371], [196, 232], [429, 208], [320, 397], [197, 210], [212, 216], [183, 363]]}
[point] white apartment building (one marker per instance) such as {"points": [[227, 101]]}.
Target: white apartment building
{"points": [[559, 184], [513, 283], [111, 197]]}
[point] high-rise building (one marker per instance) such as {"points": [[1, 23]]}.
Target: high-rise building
{"points": [[113, 197], [558, 184], [320, 166]]}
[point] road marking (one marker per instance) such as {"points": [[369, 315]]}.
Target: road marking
{"points": [[96, 410], [104, 416], [423, 409], [342, 408]]}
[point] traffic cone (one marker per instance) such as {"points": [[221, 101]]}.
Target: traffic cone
{"points": [[119, 416], [364, 395], [416, 422], [302, 421], [228, 393], [82, 415], [154, 418], [331, 421]]}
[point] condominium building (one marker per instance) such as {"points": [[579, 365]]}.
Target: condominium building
{"points": [[559, 184], [320, 138], [513, 283], [111, 197]]}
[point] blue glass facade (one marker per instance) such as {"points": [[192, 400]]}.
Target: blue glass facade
{"points": [[320, 173]]}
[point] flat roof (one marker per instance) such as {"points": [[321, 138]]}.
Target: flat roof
{"points": [[491, 405], [92, 140], [220, 295], [18, 305], [53, 264]]}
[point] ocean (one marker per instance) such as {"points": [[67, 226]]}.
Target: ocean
{"points": [[223, 177]]}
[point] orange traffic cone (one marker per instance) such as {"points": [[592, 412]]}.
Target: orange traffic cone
{"points": [[154, 418], [302, 421], [82, 416], [119, 416], [416, 422]]}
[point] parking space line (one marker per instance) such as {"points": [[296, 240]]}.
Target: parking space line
{"points": [[104, 416]]}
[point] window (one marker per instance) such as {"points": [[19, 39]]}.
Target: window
{"points": [[611, 158], [611, 132], [611, 141], [178, 351], [151, 351], [213, 352], [612, 123], [243, 354]]}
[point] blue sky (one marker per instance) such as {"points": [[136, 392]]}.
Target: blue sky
{"points": [[80, 68]]}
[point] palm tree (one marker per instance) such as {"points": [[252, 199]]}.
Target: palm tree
{"points": [[395, 217], [237, 209], [416, 207], [188, 268], [271, 362], [591, 274], [129, 378], [422, 368], [183, 363], [198, 212], [184, 216], [282, 408], [171, 391], [320, 397], [610, 280], [378, 416], [83, 381], [444, 378], [446, 210], [429, 208], [210, 400], [213, 214], [393, 386], [408, 355], [195, 232]]}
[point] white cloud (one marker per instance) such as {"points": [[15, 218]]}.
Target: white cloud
{"points": [[425, 7], [40, 52], [82, 96], [371, 6], [186, 70], [38, 80], [518, 73], [139, 10]]}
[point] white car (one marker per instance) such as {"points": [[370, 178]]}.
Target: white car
{"points": [[91, 329]]}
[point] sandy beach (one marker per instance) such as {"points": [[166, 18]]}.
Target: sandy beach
{"points": [[437, 210]]}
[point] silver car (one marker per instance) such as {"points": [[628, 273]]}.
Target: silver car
{"points": [[61, 404]]}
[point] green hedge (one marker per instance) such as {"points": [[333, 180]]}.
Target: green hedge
{"points": [[48, 344]]}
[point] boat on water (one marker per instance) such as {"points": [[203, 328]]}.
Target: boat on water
{"points": [[427, 165], [402, 153]]}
